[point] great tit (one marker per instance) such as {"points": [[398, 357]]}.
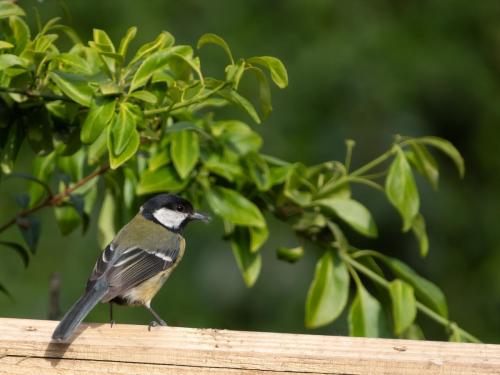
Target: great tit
{"points": [[134, 266]]}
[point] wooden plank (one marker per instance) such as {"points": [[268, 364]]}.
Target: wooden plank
{"points": [[48, 366], [26, 349]]}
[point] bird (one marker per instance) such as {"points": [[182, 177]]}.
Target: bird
{"points": [[137, 262]]}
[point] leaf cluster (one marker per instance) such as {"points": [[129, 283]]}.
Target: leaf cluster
{"points": [[150, 115]]}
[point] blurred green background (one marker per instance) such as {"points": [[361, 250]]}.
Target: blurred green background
{"points": [[361, 70]]}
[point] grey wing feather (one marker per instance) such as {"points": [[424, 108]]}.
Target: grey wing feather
{"points": [[136, 265]]}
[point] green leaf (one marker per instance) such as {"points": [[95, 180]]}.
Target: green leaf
{"points": [[160, 181], [144, 96], [99, 116], [328, 293], [164, 40], [278, 174], [249, 263], [129, 188], [278, 71], [23, 253], [72, 165], [42, 43], [8, 9], [110, 88], [296, 186], [5, 45], [106, 224], [414, 332], [234, 97], [290, 254], [258, 170], [8, 60], [237, 135], [234, 207], [102, 39], [152, 64], [418, 229], [124, 43], [365, 315], [21, 33], [353, 213], [210, 38], [224, 167], [74, 86], [309, 221], [181, 126], [159, 160], [68, 218], [70, 33], [123, 137], [258, 236], [426, 291], [234, 73], [8, 154], [97, 149], [42, 170], [447, 148], [404, 305], [184, 151], [401, 189], [30, 230], [73, 63], [129, 151], [264, 92], [425, 163]]}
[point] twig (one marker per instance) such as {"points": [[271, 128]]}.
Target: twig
{"points": [[56, 199], [34, 94], [54, 294]]}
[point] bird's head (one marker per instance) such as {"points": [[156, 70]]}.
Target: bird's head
{"points": [[170, 211]]}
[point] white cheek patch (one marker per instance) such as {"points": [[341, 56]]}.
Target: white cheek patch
{"points": [[169, 218]]}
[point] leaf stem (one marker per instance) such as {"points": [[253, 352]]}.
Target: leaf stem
{"points": [[56, 199], [348, 157], [373, 163], [420, 306]]}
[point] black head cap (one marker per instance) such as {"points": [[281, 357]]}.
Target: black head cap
{"points": [[171, 211]]}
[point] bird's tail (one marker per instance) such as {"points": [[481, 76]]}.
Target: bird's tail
{"points": [[79, 311]]}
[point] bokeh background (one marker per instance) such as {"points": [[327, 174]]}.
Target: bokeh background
{"points": [[357, 69]]}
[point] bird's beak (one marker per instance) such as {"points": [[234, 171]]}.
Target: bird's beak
{"points": [[200, 216]]}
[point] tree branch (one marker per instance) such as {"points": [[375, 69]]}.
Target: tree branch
{"points": [[34, 94], [56, 199]]}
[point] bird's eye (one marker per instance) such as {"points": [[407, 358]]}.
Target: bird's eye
{"points": [[179, 208]]}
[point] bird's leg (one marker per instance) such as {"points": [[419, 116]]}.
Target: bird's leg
{"points": [[111, 320], [157, 321]]}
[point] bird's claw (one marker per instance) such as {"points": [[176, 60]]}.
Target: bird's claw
{"points": [[111, 323], [155, 323], [152, 324]]}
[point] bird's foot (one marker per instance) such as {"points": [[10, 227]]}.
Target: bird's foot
{"points": [[152, 324], [155, 323], [111, 323], [162, 323]]}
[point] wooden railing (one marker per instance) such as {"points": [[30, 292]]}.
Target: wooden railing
{"points": [[26, 348]]}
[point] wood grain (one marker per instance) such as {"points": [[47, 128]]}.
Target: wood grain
{"points": [[25, 348]]}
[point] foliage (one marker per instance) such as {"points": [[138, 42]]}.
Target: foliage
{"points": [[144, 123]]}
